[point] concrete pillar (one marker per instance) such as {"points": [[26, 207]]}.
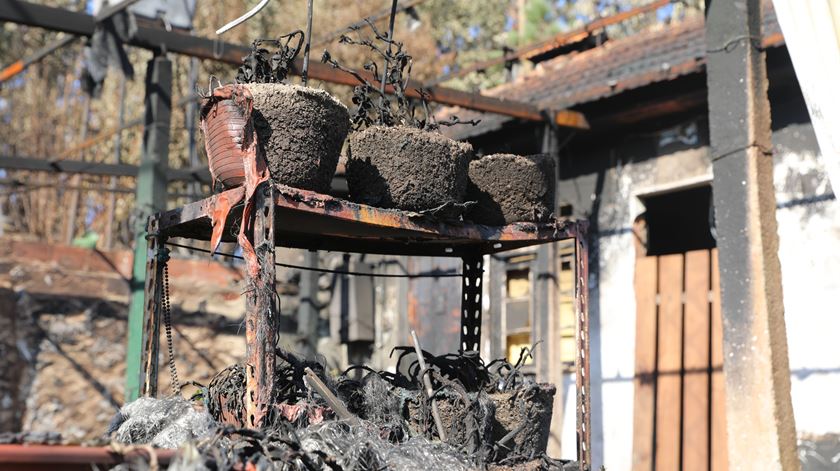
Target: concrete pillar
{"points": [[760, 425]]}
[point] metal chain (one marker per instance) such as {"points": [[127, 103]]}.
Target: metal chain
{"points": [[167, 323]]}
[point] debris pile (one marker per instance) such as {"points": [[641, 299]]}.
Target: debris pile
{"points": [[491, 417], [162, 423]]}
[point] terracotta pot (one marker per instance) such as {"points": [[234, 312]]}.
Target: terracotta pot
{"points": [[224, 118]]}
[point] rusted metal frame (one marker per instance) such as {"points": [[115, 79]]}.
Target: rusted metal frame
{"points": [[557, 41], [261, 313], [156, 259], [288, 198], [471, 289], [58, 19], [582, 377]]}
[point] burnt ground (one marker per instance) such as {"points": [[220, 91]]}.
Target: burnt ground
{"points": [[406, 168], [301, 131], [511, 188]]}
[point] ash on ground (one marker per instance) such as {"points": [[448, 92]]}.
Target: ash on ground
{"points": [[492, 417]]}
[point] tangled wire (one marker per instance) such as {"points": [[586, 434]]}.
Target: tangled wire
{"points": [[394, 430]]}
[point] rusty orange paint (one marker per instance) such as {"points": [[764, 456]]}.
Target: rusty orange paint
{"points": [[11, 71]]}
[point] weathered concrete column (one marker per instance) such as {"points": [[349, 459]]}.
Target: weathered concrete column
{"points": [[760, 423]]}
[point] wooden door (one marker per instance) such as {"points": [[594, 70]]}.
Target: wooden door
{"points": [[679, 421]]}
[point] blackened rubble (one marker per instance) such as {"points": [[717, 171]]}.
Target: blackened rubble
{"points": [[494, 417]]}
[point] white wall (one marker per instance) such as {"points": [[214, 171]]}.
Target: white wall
{"points": [[809, 233], [809, 249]]}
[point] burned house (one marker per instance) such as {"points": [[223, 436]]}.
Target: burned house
{"points": [[642, 176]]}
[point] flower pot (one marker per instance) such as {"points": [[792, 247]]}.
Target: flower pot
{"points": [[224, 117], [511, 188], [300, 132], [406, 168]]}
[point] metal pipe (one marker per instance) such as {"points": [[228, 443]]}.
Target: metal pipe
{"points": [[335, 403], [45, 456], [243, 18]]}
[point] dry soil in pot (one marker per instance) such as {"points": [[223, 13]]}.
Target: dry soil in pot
{"points": [[531, 408], [406, 168], [510, 188], [301, 131]]}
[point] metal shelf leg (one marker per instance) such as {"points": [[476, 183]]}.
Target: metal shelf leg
{"points": [[155, 260], [582, 357], [473, 269], [261, 314]]}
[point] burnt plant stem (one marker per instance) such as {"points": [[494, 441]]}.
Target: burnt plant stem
{"points": [[424, 371], [390, 41], [304, 75]]}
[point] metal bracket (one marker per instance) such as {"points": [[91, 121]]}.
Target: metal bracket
{"points": [[473, 269]]}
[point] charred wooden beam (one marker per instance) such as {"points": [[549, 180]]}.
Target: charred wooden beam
{"points": [[156, 38]]}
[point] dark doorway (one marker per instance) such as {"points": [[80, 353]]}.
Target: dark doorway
{"points": [[679, 221]]}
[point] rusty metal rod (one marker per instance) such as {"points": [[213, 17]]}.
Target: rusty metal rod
{"points": [[45, 456], [427, 382], [335, 403]]}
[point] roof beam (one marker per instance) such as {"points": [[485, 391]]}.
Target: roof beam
{"points": [[560, 40], [58, 19], [200, 174]]}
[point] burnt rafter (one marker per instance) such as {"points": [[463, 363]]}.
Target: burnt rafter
{"points": [[157, 38]]}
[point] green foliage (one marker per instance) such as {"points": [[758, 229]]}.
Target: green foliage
{"points": [[541, 22]]}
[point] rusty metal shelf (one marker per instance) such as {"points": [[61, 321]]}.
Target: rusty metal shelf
{"points": [[289, 217], [314, 221]]}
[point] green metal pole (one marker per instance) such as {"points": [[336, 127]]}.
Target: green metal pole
{"points": [[150, 198]]}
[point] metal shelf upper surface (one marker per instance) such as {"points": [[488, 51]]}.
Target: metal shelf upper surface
{"points": [[315, 221]]}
